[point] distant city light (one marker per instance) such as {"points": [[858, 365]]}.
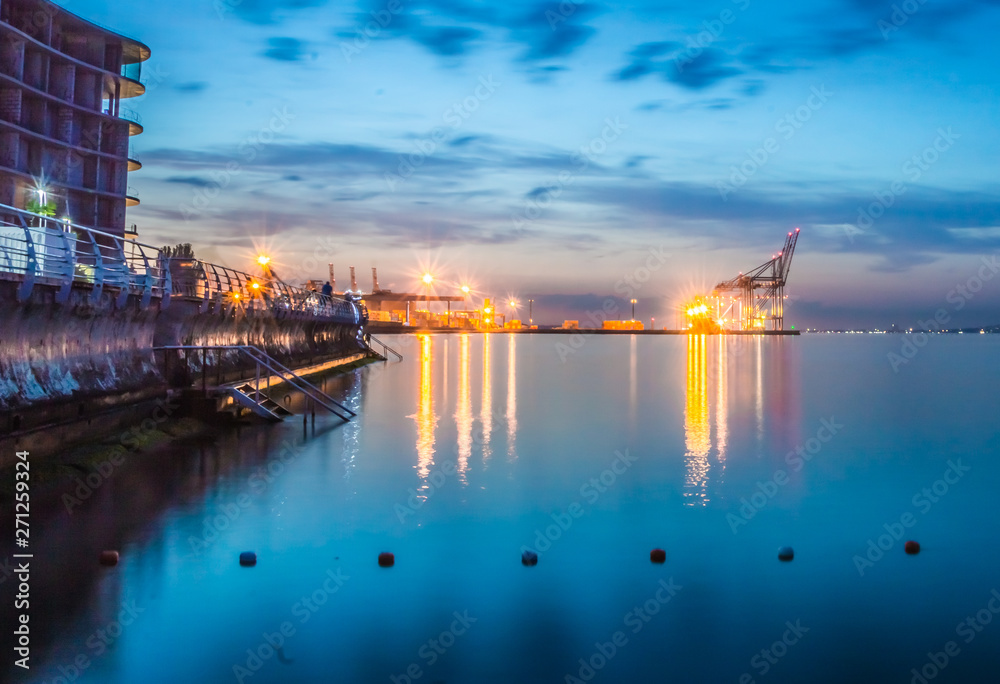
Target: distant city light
{"points": [[466, 289], [428, 279], [263, 260], [256, 286]]}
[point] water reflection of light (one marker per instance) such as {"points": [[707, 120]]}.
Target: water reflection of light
{"points": [[426, 420], [633, 392], [511, 396], [696, 423], [463, 414], [760, 387], [721, 403], [352, 430], [486, 413]]}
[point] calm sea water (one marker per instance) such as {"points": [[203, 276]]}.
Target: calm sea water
{"points": [[718, 451]]}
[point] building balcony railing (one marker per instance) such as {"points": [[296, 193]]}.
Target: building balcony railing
{"points": [[133, 118], [131, 197]]}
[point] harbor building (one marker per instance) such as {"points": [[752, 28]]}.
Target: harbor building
{"points": [[64, 136]]}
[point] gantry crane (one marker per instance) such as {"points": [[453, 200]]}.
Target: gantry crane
{"points": [[759, 294]]}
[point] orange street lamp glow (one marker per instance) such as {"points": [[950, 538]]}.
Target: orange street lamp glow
{"points": [[466, 289], [256, 286], [513, 303], [428, 279], [263, 260], [487, 310]]}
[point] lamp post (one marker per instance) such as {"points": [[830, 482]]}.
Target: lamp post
{"points": [[633, 309], [531, 318]]}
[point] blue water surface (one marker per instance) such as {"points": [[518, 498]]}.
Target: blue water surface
{"points": [[591, 451]]}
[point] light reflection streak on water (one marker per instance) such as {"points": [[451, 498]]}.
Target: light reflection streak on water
{"points": [[463, 413], [721, 403], [633, 391], [426, 420], [511, 396], [486, 413], [352, 430], [696, 423], [759, 353]]}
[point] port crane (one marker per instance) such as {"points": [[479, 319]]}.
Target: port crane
{"points": [[757, 296]]}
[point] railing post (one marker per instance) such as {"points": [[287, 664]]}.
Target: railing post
{"points": [[204, 372]]}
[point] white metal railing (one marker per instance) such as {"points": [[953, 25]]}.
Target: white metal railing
{"points": [[34, 246], [209, 282]]}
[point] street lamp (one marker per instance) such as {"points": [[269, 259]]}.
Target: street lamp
{"points": [[428, 279], [531, 319], [466, 289], [633, 309]]}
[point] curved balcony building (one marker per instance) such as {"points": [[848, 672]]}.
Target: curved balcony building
{"points": [[62, 127]]}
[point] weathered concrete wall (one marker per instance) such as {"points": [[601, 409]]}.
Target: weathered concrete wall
{"points": [[60, 360], [293, 341]]}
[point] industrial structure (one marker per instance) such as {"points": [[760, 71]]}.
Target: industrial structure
{"points": [[751, 301], [64, 137]]}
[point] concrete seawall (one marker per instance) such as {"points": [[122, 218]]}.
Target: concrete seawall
{"points": [[84, 369]]}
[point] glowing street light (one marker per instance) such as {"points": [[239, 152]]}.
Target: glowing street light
{"points": [[466, 289], [428, 279], [633, 309], [263, 260]]}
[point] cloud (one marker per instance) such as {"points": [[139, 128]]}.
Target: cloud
{"points": [[194, 181], [453, 28], [266, 11], [694, 72], [910, 233], [285, 49], [191, 87]]}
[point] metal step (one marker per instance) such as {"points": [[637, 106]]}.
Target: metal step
{"points": [[260, 409]]}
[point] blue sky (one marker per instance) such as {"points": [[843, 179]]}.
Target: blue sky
{"points": [[546, 150]]}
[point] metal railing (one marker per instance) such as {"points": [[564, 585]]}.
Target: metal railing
{"points": [[34, 247], [263, 360], [129, 115], [226, 286], [386, 349]]}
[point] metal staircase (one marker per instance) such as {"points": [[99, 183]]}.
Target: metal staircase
{"points": [[249, 395], [259, 403], [386, 349]]}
